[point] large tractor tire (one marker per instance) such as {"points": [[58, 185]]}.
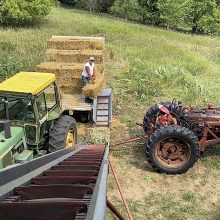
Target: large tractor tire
{"points": [[63, 134], [172, 149]]}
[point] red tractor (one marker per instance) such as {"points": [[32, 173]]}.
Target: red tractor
{"points": [[177, 135]]}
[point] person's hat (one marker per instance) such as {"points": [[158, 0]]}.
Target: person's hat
{"points": [[92, 58]]}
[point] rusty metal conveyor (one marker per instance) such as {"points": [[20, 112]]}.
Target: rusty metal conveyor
{"points": [[65, 185]]}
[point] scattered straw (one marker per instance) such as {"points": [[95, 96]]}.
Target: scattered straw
{"points": [[98, 135]]}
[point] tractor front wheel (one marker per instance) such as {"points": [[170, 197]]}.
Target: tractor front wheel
{"points": [[172, 149], [63, 134]]}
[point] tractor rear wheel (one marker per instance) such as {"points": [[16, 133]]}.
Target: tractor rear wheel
{"points": [[150, 118], [172, 149], [63, 134]]}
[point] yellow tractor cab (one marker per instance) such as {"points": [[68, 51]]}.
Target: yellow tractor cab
{"points": [[30, 118]]}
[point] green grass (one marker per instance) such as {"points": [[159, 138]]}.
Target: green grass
{"points": [[144, 65]]}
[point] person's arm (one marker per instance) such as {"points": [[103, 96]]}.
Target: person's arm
{"points": [[89, 74], [94, 74]]}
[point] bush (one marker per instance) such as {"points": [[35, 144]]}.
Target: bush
{"points": [[23, 12]]}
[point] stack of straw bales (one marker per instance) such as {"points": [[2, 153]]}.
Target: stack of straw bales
{"points": [[66, 57]]}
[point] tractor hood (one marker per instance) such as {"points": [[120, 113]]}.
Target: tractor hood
{"points": [[7, 144], [203, 116]]}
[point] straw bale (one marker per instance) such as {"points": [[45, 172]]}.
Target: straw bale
{"points": [[73, 83], [94, 89], [73, 70], [67, 56], [75, 44], [51, 55], [77, 37], [70, 89], [98, 135], [74, 56]]}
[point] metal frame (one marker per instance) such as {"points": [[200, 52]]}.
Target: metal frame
{"points": [[98, 201], [15, 181], [20, 174], [204, 141], [105, 93], [38, 122]]}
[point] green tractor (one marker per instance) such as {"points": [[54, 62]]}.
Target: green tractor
{"points": [[31, 121]]}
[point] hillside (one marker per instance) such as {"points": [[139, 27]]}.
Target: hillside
{"points": [[144, 65]]}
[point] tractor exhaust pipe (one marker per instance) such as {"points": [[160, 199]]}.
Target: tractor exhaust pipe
{"points": [[6, 126]]}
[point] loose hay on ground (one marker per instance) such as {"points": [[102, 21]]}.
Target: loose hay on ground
{"points": [[98, 135]]}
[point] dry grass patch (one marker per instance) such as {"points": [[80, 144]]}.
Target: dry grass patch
{"points": [[98, 135], [192, 195]]}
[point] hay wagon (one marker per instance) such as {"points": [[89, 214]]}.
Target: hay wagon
{"points": [[66, 56]]}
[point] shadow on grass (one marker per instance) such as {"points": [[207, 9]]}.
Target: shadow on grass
{"points": [[212, 150], [137, 158]]}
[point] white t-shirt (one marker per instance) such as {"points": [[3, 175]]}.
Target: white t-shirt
{"points": [[91, 67]]}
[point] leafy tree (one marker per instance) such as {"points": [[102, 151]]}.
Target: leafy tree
{"points": [[203, 15], [23, 11], [173, 12], [90, 5], [104, 5], [85, 4], [128, 9], [149, 12], [68, 2], [199, 15], [218, 2]]}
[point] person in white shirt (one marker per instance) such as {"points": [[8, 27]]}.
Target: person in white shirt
{"points": [[88, 73]]}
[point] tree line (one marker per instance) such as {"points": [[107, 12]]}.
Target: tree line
{"points": [[198, 16]]}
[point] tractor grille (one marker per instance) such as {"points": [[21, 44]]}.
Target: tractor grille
{"points": [[63, 192]]}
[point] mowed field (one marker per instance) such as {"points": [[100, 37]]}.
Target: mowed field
{"points": [[144, 65]]}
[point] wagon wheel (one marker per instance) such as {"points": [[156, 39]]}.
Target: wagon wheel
{"points": [[172, 149]]}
